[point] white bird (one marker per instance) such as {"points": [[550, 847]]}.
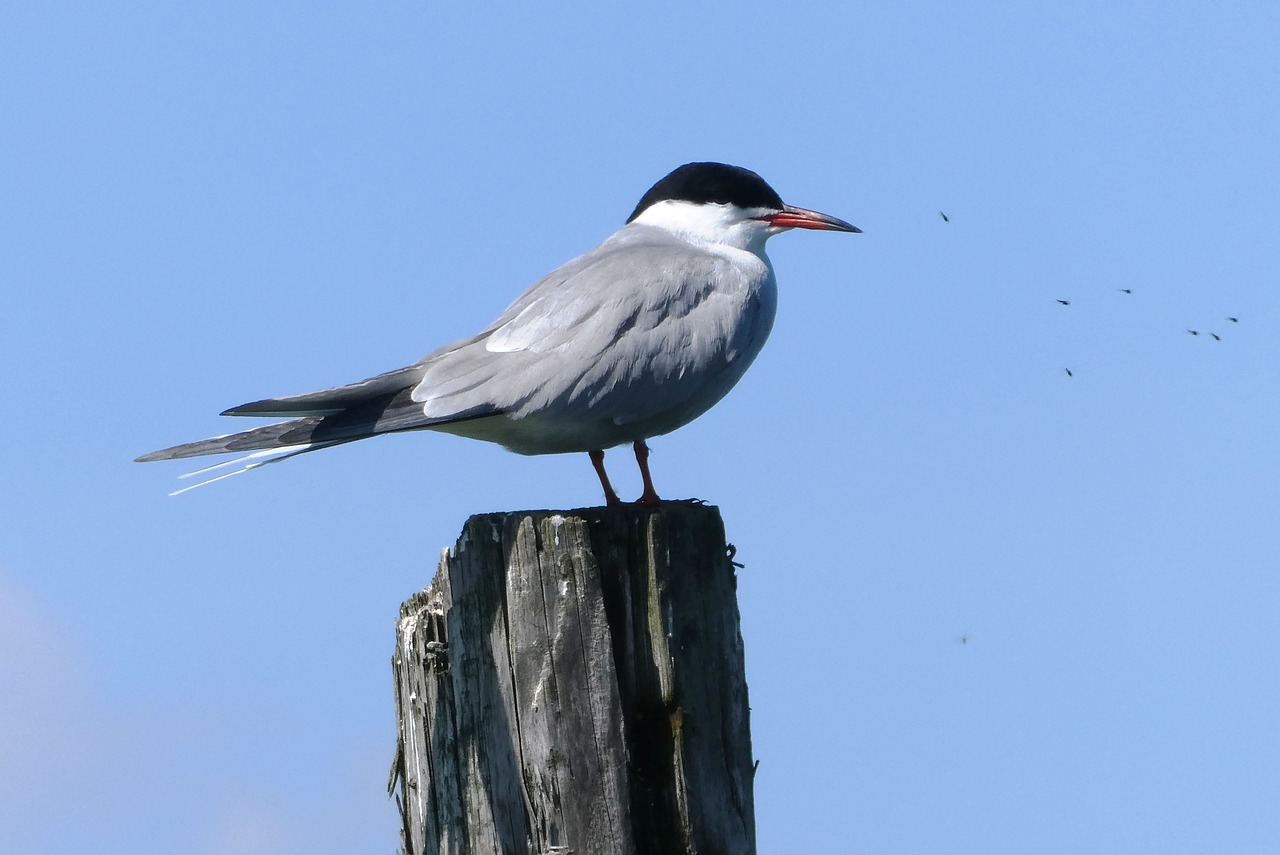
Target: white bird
{"points": [[629, 341]]}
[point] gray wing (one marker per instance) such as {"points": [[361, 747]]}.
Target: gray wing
{"points": [[334, 400], [642, 324], [386, 413], [380, 404]]}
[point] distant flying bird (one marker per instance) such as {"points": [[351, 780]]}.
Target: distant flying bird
{"points": [[1216, 337], [1234, 320], [1069, 374], [1125, 290], [1194, 332], [1066, 303], [632, 340], [945, 218]]}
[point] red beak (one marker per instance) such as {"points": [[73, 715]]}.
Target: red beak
{"points": [[801, 218]]}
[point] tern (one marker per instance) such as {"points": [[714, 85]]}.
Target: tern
{"points": [[631, 340]]}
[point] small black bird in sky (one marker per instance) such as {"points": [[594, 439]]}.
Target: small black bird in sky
{"points": [[1069, 374], [1065, 302], [1233, 320], [945, 218], [1216, 337], [1194, 332], [1125, 290]]}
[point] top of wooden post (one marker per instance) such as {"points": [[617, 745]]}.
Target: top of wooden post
{"points": [[573, 681]]}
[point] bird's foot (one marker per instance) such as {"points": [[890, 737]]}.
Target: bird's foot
{"points": [[650, 497], [654, 501]]}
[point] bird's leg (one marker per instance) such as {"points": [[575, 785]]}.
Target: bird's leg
{"points": [[650, 495], [597, 460]]}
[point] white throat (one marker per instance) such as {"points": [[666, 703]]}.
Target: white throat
{"points": [[723, 224]]}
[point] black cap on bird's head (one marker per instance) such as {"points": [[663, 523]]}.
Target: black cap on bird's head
{"points": [[721, 184], [711, 183]]}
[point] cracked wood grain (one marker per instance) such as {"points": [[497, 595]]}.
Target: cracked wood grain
{"points": [[572, 682]]}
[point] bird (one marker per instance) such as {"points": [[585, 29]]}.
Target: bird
{"points": [[1125, 290], [1233, 320], [1065, 302], [1069, 374], [1216, 337], [1194, 332], [630, 340], [945, 218]]}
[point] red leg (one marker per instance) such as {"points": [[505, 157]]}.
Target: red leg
{"points": [[650, 495], [597, 460]]}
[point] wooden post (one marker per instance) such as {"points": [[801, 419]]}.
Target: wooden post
{"points": [[572, 683]]}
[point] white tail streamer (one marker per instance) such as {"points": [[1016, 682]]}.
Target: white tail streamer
{"points": [[272, 455]]}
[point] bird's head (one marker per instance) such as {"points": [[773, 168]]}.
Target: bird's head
{"points": [[719, 203]]}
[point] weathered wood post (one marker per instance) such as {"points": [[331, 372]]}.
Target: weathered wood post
{"points": [[572, 682]]}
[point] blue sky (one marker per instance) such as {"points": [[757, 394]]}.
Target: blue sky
{"points": [[206, 204]]}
